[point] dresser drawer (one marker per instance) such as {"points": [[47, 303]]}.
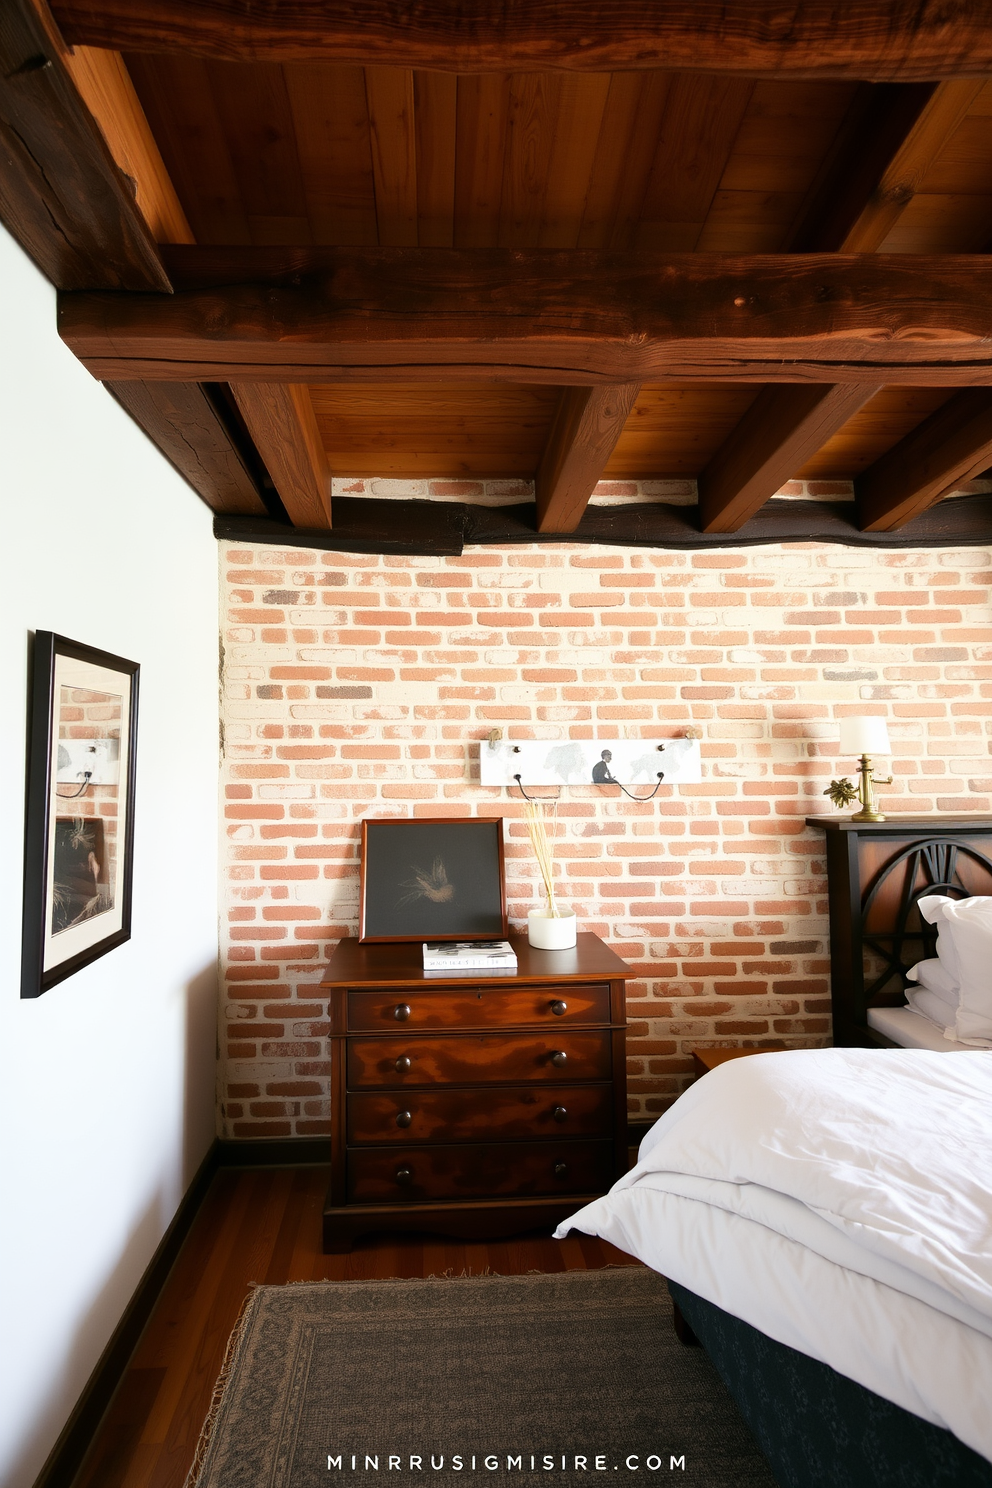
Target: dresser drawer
{"points": [[480, 1115], [479, 1059], [413, 1174], [482, 1006]]}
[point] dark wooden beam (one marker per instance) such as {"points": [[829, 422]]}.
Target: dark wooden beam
{"points": [[281, 421], [890, 138], [446, 528], [783, 428], [878, 121], [184, 422], [62, 196], [580, 317], [904, 40], [587, 424], [953, 444]]}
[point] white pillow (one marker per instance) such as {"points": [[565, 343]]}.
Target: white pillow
{"points": [[968, 924], [933, 908], [935, 1009], [934, 976]]}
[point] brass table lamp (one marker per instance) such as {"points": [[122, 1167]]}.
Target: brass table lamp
{"points": [[865, 737]]}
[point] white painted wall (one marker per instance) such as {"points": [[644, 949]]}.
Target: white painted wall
{"points": [[107, 1081]]}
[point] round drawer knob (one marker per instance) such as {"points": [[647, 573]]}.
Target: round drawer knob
{"points": [[559, 1113], [403, 1118], [403, 1064], [401, 1012], [404, 1176], [561, 1170], [559, 1008], [559, 1059]]}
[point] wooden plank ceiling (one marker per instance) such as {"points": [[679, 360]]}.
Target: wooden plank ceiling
{"points": [[246, 140]]}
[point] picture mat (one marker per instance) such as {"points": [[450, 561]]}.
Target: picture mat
{"points": [[433, 880], [63, 945]]}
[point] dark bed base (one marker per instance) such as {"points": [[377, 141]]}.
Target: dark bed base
{"points": [[818, 1429]]}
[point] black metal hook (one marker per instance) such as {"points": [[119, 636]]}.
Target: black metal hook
{"points": [[661, 776], [520, 787]]}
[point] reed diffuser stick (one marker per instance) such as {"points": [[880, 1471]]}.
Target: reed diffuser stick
{"points": [[541, 815]]}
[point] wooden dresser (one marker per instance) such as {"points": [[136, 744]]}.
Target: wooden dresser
{"points": [[474, 1106]]}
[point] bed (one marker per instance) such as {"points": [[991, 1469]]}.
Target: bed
{"points": [[824, 1219]]}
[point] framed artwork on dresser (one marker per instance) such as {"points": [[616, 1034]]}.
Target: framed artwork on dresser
{"points": [[79, 817], [432, 878]]}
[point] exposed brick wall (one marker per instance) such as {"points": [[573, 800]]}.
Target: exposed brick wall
{"points": [[354, 684]]}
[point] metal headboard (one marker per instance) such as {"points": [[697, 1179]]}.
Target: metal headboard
{"points": [[930, 867]]}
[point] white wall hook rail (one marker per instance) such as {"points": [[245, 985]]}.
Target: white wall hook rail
{"points": [[590, 762]]}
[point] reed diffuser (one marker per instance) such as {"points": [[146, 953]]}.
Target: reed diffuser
{"points": [[551, 928], [541, 815]]}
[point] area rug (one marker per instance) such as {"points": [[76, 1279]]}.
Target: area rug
{"points": [[471, 1380]]}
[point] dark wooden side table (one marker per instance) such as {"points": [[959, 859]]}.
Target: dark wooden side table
{"points": [[876, 874], [475, 1106]]}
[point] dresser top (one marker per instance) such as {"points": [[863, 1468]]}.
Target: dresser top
{"points": [[934, 824], [353, 964]]}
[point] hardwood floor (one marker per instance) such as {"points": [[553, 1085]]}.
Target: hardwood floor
{"points": [[264, 1225]]}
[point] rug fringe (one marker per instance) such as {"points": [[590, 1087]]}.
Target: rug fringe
{"points": [[233, 1344]]}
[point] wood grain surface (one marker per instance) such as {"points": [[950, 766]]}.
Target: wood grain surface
{"points": [[783, 427], [478, 1059], [579, 317], [488, 1171], [587, 425], [281, 421], [477, 1007], [264, 1225], [477, 1115], [952, 445], [62, 194], [900, 39], [187, 427]]}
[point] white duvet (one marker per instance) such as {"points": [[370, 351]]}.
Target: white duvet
{"points": [[841, 1201]]}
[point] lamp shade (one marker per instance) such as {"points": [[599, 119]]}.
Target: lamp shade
{"points": [[864, 736]]}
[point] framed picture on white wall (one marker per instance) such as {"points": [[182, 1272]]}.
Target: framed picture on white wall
{"points": [[79, 816]]}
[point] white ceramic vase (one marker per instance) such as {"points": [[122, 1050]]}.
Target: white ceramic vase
{"points": [[549, 932]]}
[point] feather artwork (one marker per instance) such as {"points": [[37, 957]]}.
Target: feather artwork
{"points": [[429, 883], [841, 792]]}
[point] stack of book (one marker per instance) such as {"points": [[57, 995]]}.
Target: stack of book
{"points": [[457, 956]]}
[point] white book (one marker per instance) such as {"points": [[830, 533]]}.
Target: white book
{"points": [[469, 955]]}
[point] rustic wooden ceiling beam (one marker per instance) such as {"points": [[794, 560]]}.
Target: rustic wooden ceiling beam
{"points": [[952, 445], [874, 129], [904, 40], [184, 422], [889, 139], [105, 87], [587, 424], [446, 528], [888, 157], [783, 428], [281, 421], [583, 318], [62, 194]]}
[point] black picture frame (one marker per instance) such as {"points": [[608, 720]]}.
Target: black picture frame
{"points": [[79, 808], [432, 878]]}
